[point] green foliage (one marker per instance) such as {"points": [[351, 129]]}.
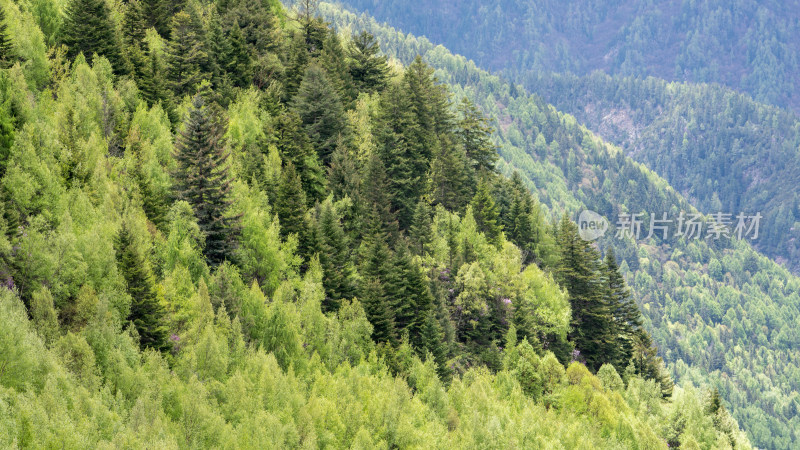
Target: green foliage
{"points": [[88, 29], [202, 180], [255, 263], [146, 312]]}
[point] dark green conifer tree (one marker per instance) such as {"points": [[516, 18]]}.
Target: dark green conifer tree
{"points": [[7, 54], [420, 230], [318, 106], [433, 342], [202, 179], [186, 53], [450, 176], [626, 315], [146, 313], [578, 271], [485, 213], [294, 146], [375, 269], [290, 204], [335, 260], [475, 134], [88, 29], [368, 68], [404, 157]]}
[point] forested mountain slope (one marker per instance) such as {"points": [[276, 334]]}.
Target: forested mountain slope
{"points": [[749, 45], [225, 225], [722, 150], [721, 313]]}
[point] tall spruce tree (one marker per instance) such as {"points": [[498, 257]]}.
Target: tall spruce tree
{"points": [[187, 55], [290, 204], [7, 53], [320, 109], [202, 179], [486, 215], [294, 146], [626, 315], [375, 269], [334, 259], [146, 313], [88, 29], [404, 157], [475, 134], [578, 271], [368, 68]]}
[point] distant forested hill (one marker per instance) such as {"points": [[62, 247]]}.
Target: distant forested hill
{"points": [[749, 45]]}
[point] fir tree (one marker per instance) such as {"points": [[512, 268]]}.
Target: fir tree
{"points": [[375, 269], [485, 213], [433, 342], [186, 53], [578, 272], [290, 204], [202, 179], [626, 315], [334, 259], [7, 124], [404, 157], [146, 313], [7, 53], [321, 112], [450, 177], [294, 146], [88, 29], [475, 134], [367, 67], [381, 218], [420, 230]]}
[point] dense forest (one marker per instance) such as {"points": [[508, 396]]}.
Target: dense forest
{"points": [[727, 152], [226, 224], [748, 45], [722, 314]]}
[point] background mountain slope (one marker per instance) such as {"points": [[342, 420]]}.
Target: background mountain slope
{"points": [[748, 45], [723, 151], [721, 313]]}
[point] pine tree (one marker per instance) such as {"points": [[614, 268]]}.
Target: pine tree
{"points": [[157, 13], [450, 177], [294, 146], [648, 364], [485, 214], [186, 53], [334, 259], [375, 270], [475, 134], [7, 53], [202, 179], [433, 342], [152, 84], [368, 68], [290, 204], [404, 156], [146, 312], [7, 124], [88, 29], [626, 315], [578, 272], [375, 182], [318, 106], [420, 230]]}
